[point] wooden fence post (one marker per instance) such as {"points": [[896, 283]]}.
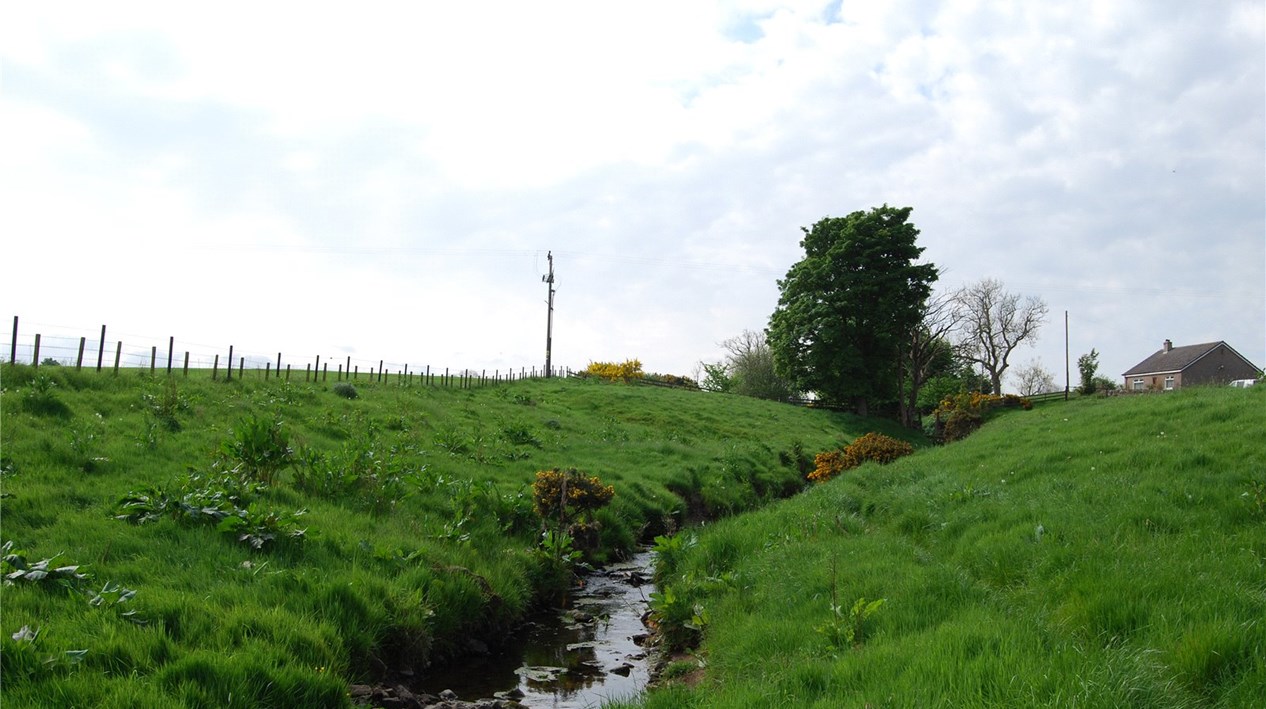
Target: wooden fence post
{"points": [[307, 370], [348, 369], [118, 354], [287, 372], [215, 367], [267, 367], [186, 364], [316, 368], [13, 344], [35, 359], [79, 361], [279, 364], [356, 374], [325, 372], [171, 350], [241, 366], [101, 349], [229, 369], [340, 372], [153, 358], [380, 371]]}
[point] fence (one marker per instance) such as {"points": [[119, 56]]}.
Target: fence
{"points": [[93, 352]]}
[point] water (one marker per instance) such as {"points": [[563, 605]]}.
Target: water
{"points": [[575, 658]]}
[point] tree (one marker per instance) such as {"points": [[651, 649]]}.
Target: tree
{"points": [[1087, 365], [1034, 380], [929, 353], [847, 309], [748, 369], [995, 323]]}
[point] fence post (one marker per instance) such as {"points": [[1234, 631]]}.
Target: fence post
{"points": [[13, 344], [307, 371], [325, 372], [171, 350], [215, 367], [79, 361], [101, 349], [287, 372], [316, 367], [380, 371], [153, 358], [279, 364], [267, 366], [35, 359], [241, 366], [186, 364], [118, 354], [348, 369], [356, 374], [340, 372], [229, 369]]}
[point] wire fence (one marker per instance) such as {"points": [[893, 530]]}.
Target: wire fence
{"points": [[59, 345]]}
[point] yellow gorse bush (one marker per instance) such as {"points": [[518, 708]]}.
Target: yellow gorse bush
{"points": [[558, 493], [872, 446], [624, 371]]}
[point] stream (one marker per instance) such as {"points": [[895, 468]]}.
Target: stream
{"points": [[574, 658]]}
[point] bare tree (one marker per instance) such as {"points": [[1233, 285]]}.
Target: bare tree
{"points": [[748, 369], [1034, 379], [941, 318], [996, 322]]}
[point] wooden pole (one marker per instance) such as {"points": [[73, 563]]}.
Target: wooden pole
{"points": [[35, 359], [229, 369], [79, 361], [153, 358], [267, 367], [325, 372], [278, 363], [287, 372], [13, 344], [241, 366], [171, 350], [118, 354], [380, 371], [316, 368], [186, 364], [215, 367], [101, 349], [307, 371], [349, 364]]}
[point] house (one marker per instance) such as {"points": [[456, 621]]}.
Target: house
{"points": [[1175, 367]]}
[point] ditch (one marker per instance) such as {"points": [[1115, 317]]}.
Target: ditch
{"points": [[590, 651]]}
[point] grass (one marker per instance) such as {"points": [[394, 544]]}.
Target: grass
{"points": [[402, 527], [1104, 552]]}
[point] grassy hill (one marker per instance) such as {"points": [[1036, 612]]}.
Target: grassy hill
{"points": [[159, 552], [1100, 553]]}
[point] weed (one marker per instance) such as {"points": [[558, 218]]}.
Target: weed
{"points": [[166, 404], [346, 390], [42, 399], [1256, 497], [260, 446], [16, 569]]}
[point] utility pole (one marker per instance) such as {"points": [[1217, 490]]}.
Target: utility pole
{"points": [[549, 320]]}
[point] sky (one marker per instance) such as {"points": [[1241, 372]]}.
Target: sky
{"points": [[387, 181]]}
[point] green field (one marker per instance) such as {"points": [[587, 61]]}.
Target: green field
{"points": [[414, 504], [1099, 553]]}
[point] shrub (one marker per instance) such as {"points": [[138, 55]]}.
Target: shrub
{"points": [[961, 414], [558, 493], [260, 447], [624, 372], [870, 447], [346, 390]]}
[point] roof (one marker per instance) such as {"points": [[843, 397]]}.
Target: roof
{"points": [[1175, 360]]}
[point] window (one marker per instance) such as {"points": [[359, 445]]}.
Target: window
{"points": [[1138, 385], [1169, 383]]}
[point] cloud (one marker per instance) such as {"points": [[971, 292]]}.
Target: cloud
{"points": [[391, 177]]}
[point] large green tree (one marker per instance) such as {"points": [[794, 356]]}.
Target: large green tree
{"points": [[847, 309]]}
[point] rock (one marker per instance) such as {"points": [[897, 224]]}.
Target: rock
{"points": [[448, 695], [623, 670]]}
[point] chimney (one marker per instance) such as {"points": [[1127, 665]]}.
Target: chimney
{"points": [[1167, 346]]}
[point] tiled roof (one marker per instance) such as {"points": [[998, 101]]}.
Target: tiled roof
{"points": [[1175, 360]]}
